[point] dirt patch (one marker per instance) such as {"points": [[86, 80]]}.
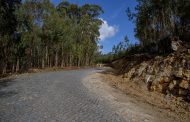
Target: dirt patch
{"points": [[133, 103]]}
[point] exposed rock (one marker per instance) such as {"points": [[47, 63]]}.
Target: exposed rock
{"points": [[175, 82], [176, 45], [142, 68], [171, 86], [162, 81], [167, 71], [183, 92], [184, 84], [163, 88], [168, 75], [187, 74], [130, 74], [179, 73]]}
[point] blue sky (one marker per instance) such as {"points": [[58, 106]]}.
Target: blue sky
{"points": [[116, 24]]}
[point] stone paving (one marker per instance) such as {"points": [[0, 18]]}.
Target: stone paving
{"points": [[52, 97]]}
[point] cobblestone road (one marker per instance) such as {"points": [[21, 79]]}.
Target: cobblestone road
{"points": [[52, 97]]}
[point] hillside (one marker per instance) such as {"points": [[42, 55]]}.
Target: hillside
{"points": [[162, 81]]}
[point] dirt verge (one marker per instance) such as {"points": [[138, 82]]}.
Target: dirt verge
{"points": [[132, 103]]}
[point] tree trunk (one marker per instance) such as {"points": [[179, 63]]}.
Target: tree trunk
{"points": [[31, 58], [46, 55], [62, 58], [17, 65], [43, 63], [56, 59], [50, 62], [86, 59], [5, 68], [13, 68], [62, 63], [78, 62], [70, 60]]}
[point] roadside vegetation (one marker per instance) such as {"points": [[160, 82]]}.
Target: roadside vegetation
{"points": [[38, 34], [158, 22]]}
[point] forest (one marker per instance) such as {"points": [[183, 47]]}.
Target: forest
{"points": [[157, 23], [38, 34]]}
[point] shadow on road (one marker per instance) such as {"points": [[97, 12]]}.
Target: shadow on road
{"points": [[5, 83], [4, 94]]}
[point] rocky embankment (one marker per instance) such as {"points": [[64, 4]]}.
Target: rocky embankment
{"points": [[167, 75]]}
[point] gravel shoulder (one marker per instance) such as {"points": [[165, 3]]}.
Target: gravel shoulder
{"points": [[129, 106]]}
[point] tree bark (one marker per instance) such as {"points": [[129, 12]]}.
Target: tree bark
{"points": [[43, 63], [56, 59], [17, 65], [13, 68], [5, 68], [46, 55], [70, 59]]}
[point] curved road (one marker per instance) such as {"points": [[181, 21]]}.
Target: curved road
{"points": [[52, 97]]}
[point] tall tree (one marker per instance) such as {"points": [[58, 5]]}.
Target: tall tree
{"points": [[157, 19]]}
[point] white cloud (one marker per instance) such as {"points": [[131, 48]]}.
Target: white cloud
{"points": [[107, 31]]}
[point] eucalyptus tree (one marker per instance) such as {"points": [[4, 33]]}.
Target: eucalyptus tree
{"points": [[85, 30], [37, 34], [8, 24], [157, 19]]}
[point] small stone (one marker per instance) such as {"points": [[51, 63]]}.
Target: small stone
{"points": [[171, 86], [163, 88], [179, 73], [159, 89], [167, 71], [187, 74], [142, 68], [175, 82], [176, 45], [131, 73], [184, 84], [183, 92], [148, 78], [154, 88], [167, 79], [162, 81], [179, 99]]}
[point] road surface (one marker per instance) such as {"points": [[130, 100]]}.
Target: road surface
{"points": [[52, 97]]}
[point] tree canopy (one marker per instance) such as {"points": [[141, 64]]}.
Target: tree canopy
{"points": [[158, 19], [38, 34]]}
